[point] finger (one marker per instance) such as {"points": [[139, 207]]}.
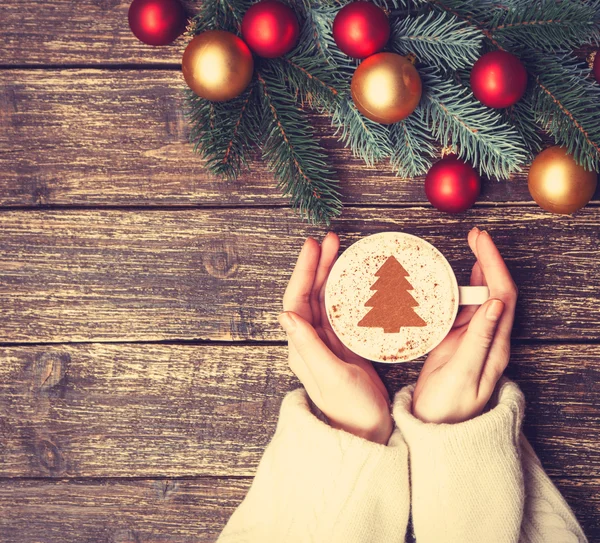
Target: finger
{"points": [[297, 293], [472, 239], [499, 281], [494, 269], [502, 287], [324, 367], [467, 312], [471, 355], [329, 250]]}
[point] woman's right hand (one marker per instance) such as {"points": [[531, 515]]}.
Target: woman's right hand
{"points": [[460, 374]]}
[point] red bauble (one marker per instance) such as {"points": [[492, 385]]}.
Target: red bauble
{"points": [[157, 22], [361, 29], [498, 79], [597, 66], [270, 28], [452, 185]]}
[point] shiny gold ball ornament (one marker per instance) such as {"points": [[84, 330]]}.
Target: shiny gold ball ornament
{"points": [[558, 184], [217, 65], [386, 88]]}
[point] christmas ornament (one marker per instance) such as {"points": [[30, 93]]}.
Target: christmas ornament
{"points": [[386, 88], [596, 68], [452, 185], [361, 29], [156, 22], [558, 184], [564, 101], [217, 65], [270, 28], [498, 79]]}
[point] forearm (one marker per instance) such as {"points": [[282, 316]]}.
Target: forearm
{"points": [[547, 516], [466, 478], [316, 483]]}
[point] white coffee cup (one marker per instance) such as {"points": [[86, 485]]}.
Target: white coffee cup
{"points": [[393, 297]]}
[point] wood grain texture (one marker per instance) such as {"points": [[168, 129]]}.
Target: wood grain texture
{"points": [[93, 137], [146, 511], [220, 274], [166, 511], [118, 410], [85, 32]]}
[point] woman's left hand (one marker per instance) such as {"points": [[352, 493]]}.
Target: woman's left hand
{"points": [[344, 386]]}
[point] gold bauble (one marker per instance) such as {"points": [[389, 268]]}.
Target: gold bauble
{"points": [[386, 88], [558, 184], [217, 65]]}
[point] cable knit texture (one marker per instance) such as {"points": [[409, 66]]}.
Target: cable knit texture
{"points": [[477, 481], [321, 485]]}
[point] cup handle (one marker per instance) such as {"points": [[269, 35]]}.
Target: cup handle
{"points": [[473, 295]]}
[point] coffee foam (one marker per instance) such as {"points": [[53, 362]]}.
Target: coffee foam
{"points": [[434, 289]]}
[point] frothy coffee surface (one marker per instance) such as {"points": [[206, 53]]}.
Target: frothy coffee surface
{"points": [[391, 297]]}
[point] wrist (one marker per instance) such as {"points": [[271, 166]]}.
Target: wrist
{"points": [[376, 433]]}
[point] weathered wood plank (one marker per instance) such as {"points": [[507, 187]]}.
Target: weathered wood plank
{"points": [[91, 137], [123, 410], [88, 32], [143, 511], [220, 274], [166, 511]]}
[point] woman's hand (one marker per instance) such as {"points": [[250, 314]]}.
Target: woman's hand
{"points": [[344, 386], [459, 376]]}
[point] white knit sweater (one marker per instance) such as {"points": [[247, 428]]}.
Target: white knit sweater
{"points": [[478, 481]]}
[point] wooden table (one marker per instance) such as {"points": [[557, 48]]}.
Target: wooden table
{"points": [[142, 364]]}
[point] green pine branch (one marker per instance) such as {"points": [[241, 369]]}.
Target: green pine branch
{"points": [[317, 37], [413, 149], [219, 15], [223, 133], [522, 117], [546, 25], [293, 154], [367, 139], [437, 38], [565, 100], [323, 82], [479, 134]]}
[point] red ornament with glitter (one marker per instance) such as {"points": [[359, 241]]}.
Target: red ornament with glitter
{"points": [[270, 28], [452, 185], [361, 29], [596, 68], [498, 79], [157, 22]]}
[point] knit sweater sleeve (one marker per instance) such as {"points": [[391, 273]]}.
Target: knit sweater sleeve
{"points": [[479, 480], [318, 484]]}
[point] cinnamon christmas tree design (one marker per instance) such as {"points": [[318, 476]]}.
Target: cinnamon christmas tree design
{"points": [[392, 304]]}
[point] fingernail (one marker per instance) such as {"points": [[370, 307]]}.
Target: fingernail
{"points": [[475, 229], [287, 322], [494, 310], [485, 232]]}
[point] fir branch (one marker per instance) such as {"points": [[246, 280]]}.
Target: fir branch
{"points": [[290, 149], [546, 25], [437, 38], [219, 15], [224, 132], [522, 117], [565, 101], [317, 35], [456, 118], [308, 68], [413, 148], [367, 139], [322, 81]]}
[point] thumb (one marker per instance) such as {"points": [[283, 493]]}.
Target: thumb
{"points": [[472, 353], [320, 361]]}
